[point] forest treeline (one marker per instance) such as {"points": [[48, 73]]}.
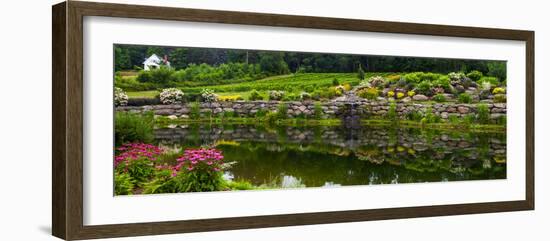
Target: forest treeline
{"points": [[129, 57]]}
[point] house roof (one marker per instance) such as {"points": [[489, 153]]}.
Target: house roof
{"points": [[153, 59]]}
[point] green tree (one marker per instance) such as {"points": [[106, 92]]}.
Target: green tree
{"points": [[361, 73], [178, 58], [122, 59], [273, 62]]}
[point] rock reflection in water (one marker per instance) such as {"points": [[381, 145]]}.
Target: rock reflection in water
{"points": [[321, 156]]}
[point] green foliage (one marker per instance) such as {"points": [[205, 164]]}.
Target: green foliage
{"points": [[439, 98], [392, 112], [133, 127], [204, 74], [199, 180], [497, 69], [282, 110], [161, 75], [240, 185], [317, 110], [483, 114], [424, 88], [195, 110], [464, 98], [493, 80], [276, 94], [124, 184], [414, 115], [255, 95], [442, 82], [335, 82], [430, 117], [140, 170], [273, 62], [475, 75], [499, 98]]}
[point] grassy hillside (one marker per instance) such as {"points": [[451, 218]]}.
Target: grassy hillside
{"points": [[293, 83]]}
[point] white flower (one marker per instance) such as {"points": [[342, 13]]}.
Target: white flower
{"points": [[171, 96], [121, 98]]}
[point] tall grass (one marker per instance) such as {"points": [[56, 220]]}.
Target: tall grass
{"points": [[133, 127]]}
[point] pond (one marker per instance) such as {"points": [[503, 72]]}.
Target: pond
{"points": [[323, 156]]}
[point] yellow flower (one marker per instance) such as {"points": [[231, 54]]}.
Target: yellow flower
{"points": [[411, 93], [391, 94], [400, 95]]}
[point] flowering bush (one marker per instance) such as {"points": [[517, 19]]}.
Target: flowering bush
{"points": [[411, 93], [209, 96], [391, 93], [456, 76], [368, 93], [199, 170], [499, 90], [276, 94], [136, 160], [376, 81], [121, 98], [400, 95], [171, 96], [341, 89]]}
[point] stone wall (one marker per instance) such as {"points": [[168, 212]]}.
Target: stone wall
{"points": [[332, 109]]}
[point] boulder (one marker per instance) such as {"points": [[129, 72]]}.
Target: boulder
{"points": [[420, 97], [463, 109]]}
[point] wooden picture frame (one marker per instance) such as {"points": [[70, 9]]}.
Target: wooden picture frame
{"points": [[67, 124]]}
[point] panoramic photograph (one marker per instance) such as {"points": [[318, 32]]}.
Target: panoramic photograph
{"points": [[191, 119]]}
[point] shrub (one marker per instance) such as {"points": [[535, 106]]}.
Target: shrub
{"points": [[483, 114], [133, 127], [400, 95], [171, 96], [475, 75], [276, 94], [453, 76], [347, 87], [121, 98], [305, 96], [429, 117], [439, 98], [255, 95], [424, 88], [376, 81], [411, 93], [335, 82], [123, 184], [391, 93], [465, 98], [499, 90], [442, 82], [199, 170], [486, 86], [493, 80], [136, 160], [499, 98], [340, 89], [161, 75], [368, 93], [208, 95]]}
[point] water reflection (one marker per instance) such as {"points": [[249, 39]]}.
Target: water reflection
{"points": [[291, 157]]}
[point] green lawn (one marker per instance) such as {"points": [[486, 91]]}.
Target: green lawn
{"points": [[143, 94]]}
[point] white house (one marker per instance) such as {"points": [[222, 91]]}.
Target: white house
{"points": [[154, 62]]}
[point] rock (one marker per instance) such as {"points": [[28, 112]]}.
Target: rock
{"points": [[406, 99], [184, 116], [463, 110], [459, 88], [420, 97], [444, 115], [163, 112], [172, 117]]}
